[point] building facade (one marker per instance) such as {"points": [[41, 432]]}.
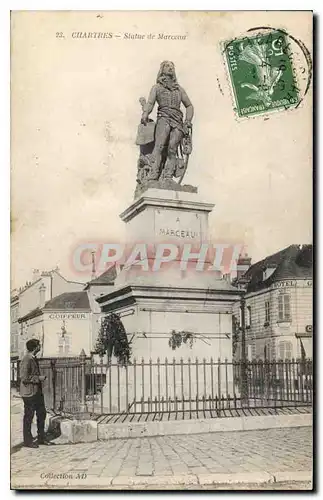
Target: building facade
{"points": [[14, 335], [14, 325], [278, 307], [27, 305], [63, 325], [64, 315]]}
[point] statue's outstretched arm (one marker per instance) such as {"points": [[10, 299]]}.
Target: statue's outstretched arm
{"points": [[188, 105], [149, 105]]}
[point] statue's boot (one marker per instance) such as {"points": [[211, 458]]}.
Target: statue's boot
{"points": [[153, 173], [169, 169]]}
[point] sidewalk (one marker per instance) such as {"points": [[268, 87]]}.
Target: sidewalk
{"points": [[16, 420], [16, 416], [204, 460]]}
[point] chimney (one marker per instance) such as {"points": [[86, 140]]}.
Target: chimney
{"points": [[42, 299], [36, 275], [243, 264]]}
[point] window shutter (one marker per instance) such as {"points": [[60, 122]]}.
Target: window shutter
{"points": [[248, 316]]}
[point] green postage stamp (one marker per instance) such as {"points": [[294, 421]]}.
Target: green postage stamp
{"points": [[261, 73]]}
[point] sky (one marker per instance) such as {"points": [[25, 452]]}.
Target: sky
{"points": [[74, 116]]}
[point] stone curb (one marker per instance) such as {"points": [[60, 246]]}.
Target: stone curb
{"points": [[86, 431], [238, 478], [293, 476], [185, 479], [93, 482], [199, 426]]}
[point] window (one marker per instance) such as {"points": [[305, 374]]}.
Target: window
{"points": [[284, 307], [267, 312], [285, 349], [64, 344], [14, 314], [14, 342]]}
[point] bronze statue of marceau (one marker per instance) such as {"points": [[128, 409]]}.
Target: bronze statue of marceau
{"points": [[165, 146]]}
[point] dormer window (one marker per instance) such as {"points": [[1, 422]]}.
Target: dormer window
{"points": [[70, 304], [268, 271]]}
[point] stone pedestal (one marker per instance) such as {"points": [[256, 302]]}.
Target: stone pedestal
{"points": [[172, 216], [166, 217], [153, 304]]}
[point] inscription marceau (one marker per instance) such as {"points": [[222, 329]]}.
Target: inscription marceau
{"points": [[180, 233]]}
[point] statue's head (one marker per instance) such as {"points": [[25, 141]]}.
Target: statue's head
{"points": [[167, 69]]}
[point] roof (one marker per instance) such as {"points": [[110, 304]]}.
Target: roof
{"points": [[47, 273], [65, 301], [69, 300], [293, 262], [106, 278], [31, 314], [14, 298]]}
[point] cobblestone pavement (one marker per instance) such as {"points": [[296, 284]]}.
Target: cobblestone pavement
{"points": [[288, 449], [16, 417]]}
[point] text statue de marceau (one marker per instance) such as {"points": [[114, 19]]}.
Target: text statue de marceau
{"points": [[165, 146]]}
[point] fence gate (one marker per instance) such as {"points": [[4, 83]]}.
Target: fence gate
{"points": [[65, 385]]}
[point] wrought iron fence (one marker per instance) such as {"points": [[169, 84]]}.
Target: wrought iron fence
{"points": [[194, 385], [80, 384], [14, 372]]}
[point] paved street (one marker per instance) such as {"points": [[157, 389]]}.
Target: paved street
{"points": [[16, 416], [170, 457]]}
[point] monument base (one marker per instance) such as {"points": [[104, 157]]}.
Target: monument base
{"points": [[156, 307], [150, 313], [158, 373], [153, 303]]}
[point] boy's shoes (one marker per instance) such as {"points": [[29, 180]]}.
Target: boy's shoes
{"points": [[45, 442], [31, 445]]}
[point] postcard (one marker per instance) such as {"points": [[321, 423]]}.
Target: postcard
{"points": [[161, 258]]}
